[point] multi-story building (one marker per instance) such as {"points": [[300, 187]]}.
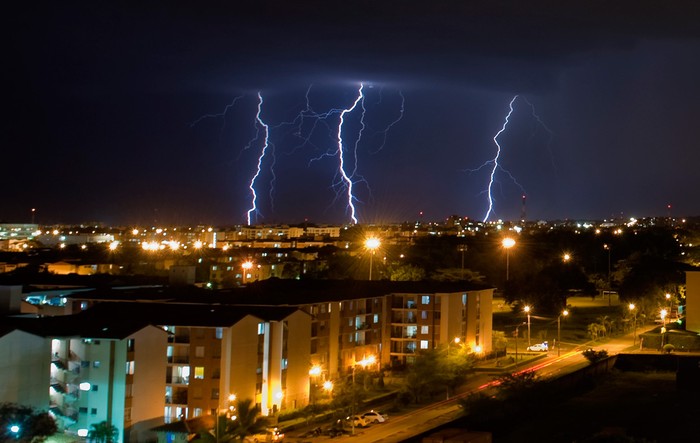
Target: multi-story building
{"points": [[85, 370], [391, 320], [145, 356]]}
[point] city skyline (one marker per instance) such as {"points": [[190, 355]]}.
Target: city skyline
{"points": [[141, 115]]}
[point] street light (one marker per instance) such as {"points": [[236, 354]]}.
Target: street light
{"points": [[314, 373], [517, 334], [634, 320], [229, 414], [527, 311], [364, 363], [566, 257], [372, 244], [247, 265], [664, 313], [608, 248], [507, 243], [669, 299], [456, 341], [462, 249], [564, 313]]}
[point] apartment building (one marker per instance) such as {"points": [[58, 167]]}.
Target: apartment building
{"points": [[85, 370], [392, 321], [146, 356]]}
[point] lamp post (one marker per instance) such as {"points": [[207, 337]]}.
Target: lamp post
{"points": [[229, 412], [247, 265], [364, 363], [563, 313], [517, 334], [664, 313], [670, 300], [507, 243], [608, 248], [634, 323], [372, 244], [314, 373], [527, 311], [456, 341], [462, 249]]}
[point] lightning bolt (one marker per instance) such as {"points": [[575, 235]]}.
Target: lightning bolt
{"points": [[385, 132], [346, 180], [221, 114], [307, 128], [546, 128], [494, 163], [498, 155], [259, 123]]}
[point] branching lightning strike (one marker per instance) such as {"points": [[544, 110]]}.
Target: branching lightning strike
{"points": [[304, 126], [494, 163], [266, 144]]}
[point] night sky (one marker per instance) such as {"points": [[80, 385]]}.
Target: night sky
{"points": [[128, 113]]}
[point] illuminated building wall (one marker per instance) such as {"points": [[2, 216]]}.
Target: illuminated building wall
{"points": [[692, 299]]}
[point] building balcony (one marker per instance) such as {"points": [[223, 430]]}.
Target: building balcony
{"points": [[174, 380], [179, 359]]}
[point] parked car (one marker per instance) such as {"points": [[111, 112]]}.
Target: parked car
{"points": [[539, 347], [375, 417], [270, 435], [357, 421]]}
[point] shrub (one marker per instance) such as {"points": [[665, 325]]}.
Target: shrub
{"points": [[593, 356]]}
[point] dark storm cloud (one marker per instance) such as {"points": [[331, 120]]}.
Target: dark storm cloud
{"points": [[101, 95]]}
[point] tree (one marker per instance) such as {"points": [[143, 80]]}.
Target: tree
{"points": [[103, 432], [406, 273], [25, 424], [248, 420], [594, 356]]}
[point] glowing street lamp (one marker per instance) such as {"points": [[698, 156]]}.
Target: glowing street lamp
{"points": [[563, 313], [328, 386], [634, 320], [247, 265], [314, 373], [372, 244], [507, 243], [664, 313], [566, 257], [229, 414], [527, 311], [367, 361]]}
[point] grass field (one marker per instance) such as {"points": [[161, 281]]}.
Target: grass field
{"points": [[642, 406]]}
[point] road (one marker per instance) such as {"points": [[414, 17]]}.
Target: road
{"points": [[407, 425]]}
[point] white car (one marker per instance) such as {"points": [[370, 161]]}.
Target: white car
{"points": [[375, 417], [539, 347], [270, 435], [357, 421]]}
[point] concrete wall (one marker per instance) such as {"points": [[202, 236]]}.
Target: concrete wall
{"points": [[692, 300], [24, 368]]}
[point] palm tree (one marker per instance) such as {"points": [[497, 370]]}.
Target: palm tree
{"points": [[103, 432], [248, 420]]}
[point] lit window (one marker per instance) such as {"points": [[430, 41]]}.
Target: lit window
{"points": [[424, 329], [199, 372], [261, 328], [130, 367], [425, 299], [219, 333], [424, 344]]}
